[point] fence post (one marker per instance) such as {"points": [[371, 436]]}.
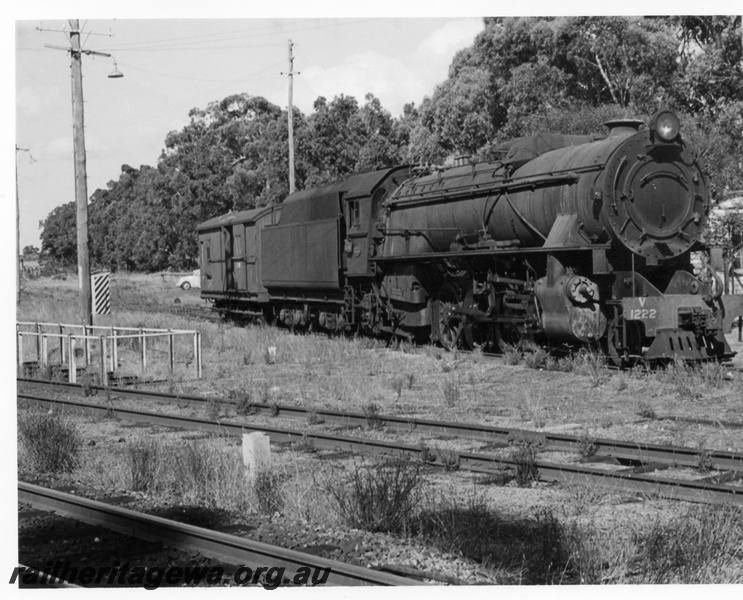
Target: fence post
{"points": [[38, 342], [73, 361], [114, 350], [61, 344], [197, 353], [171, 350], [19, 346], [104, 374], [142, 351], [198, 374], [86, 333], [44, 358]]}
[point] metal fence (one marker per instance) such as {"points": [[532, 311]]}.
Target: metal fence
{"points": [[100, 348]]}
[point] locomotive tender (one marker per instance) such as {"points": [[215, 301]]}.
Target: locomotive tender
{"points": [[565, 240]]}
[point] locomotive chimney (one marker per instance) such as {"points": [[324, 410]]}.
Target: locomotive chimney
{"points": [[623, 126]]}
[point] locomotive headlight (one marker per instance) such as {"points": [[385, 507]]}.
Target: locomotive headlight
{"points": [[666, 125]]}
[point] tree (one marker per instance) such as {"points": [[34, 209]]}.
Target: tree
{"points": [[59, 234], [711, 60]]}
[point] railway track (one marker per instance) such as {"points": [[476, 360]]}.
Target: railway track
{"points": [[711, 489], [229, 548], [628, 453]]}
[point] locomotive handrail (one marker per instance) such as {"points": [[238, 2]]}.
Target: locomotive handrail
{"points": [[523, 219], [488, 252], [464, 193]]}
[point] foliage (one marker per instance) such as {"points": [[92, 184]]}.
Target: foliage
{"points": [[51, 441], [520, 76], [59, 234], [381, 498]]}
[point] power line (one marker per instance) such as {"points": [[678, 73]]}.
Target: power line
{"points": [[232, 35]]}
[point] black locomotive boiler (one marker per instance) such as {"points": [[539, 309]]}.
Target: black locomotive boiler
{"points": [[565, 241]]}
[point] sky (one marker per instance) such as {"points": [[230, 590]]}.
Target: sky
{"points": [[178, 59], [171, 66]]}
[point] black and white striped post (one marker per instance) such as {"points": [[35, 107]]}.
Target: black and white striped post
{"points": [[101, 284]]}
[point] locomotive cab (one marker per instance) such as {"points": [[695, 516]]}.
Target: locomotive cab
{"points": [[363, 216]]}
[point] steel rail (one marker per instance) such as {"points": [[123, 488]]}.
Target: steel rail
{"points": [[229, 548], [621, 480], [638, 452]]}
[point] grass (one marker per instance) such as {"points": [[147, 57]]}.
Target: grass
{"points": [[524, 544], [451, 389], [207, 472], [702, 545], [373, 416], [525, 459], [379, 498], [49, 442]]}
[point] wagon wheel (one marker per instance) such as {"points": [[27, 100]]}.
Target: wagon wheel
{"points": [[449, 323]]}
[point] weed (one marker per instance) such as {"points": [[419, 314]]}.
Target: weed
{"points": [[87, 381], [592, 364], [685, 379], [536, 357], [397, 383], [306, 444], [51, 441], [705, 463], [313, 418], [583, 497], [262, 392], [379, 498], [645, 410], [700, 546], [267, 488], [512, 354], [212, 409], [243, 405], [457, 526], [587, 445], [373, 417], [605, 422], [206, 473], [525, 457], [452, 393], [142, 458], [410, 380], [275, 410]]}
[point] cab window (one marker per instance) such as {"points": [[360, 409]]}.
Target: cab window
{"points": [[354, 214]]}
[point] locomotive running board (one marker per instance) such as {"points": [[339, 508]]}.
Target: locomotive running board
{"points": [[488, 252]]}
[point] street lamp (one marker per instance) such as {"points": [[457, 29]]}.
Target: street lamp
{"points": [[81, 177]]}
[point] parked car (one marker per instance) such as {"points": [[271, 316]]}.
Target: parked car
{"points": [[189, 281]]}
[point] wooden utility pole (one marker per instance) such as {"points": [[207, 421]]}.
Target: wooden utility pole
{"points": [[291, 119], [18, 230], [81, 176]]}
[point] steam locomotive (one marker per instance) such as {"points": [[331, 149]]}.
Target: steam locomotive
{"points": [[565, 240]]}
